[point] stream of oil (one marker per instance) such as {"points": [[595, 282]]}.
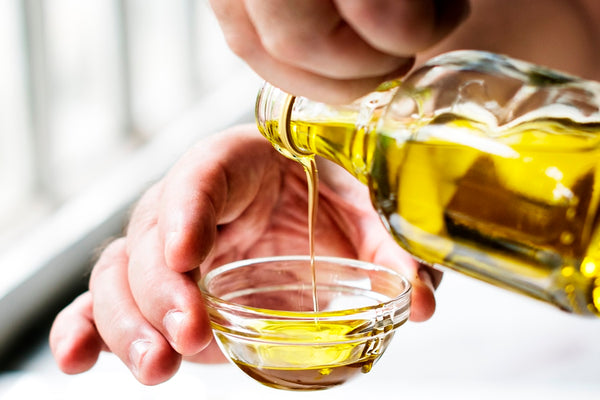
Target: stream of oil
{"points": [[312, 178]]}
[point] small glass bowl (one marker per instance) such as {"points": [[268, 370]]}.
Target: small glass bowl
{"points": [[262, 315]]}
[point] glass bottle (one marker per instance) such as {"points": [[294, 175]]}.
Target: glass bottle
{"points": [[475, 162]]}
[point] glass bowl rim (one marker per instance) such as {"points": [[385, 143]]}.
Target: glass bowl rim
{"points": [[265, 313]]}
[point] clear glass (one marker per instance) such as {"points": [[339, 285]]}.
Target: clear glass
{"points": [[475, 162], [263, 318]]}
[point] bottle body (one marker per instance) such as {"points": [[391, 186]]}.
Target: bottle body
{"points": [[481, 164]]}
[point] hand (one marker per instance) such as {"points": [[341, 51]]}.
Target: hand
{"points": [[334, 51], [232, 196]]}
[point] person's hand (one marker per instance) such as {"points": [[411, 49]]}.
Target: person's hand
{"points": [[232, 196], [337, 50]]}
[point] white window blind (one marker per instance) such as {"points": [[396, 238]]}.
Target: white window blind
{"points": [[97, 99], [85, 83]]}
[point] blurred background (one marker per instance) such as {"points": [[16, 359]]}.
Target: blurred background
{"points": [[97, 99]]}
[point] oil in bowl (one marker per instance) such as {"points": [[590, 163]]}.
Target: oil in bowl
{"points": [[263, 316]]}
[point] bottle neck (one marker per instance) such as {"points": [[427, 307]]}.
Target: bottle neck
{"points": [[300, 128]]}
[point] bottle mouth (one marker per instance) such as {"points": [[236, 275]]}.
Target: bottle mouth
{"points": [[285, 128], [274, 107]]}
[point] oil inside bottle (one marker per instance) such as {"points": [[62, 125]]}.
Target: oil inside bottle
{"points": [[514, 206]]}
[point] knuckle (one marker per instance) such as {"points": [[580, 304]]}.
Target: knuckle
{"points": [[394, 27], [240, 45], [113, 255], [144, 212], [291, 48]]}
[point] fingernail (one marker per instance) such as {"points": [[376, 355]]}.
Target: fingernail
{"points": [[172, 322], [137, 351]]}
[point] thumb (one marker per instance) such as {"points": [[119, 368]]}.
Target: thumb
{"points": [[424, 280]]}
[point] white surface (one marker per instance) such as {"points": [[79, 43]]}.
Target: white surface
{"points": [[483, 343]]}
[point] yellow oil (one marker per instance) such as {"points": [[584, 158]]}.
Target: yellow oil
{"points": [[306, 355], [516, 206], [312, 354], [312, 179]]}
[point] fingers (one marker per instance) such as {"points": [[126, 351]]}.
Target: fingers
{"points": [[299, 70], [403, 27], [122, 326], [145, 312], [422, 296], [214, 184], [312, 35], [74, 341], [375, 244], [148, 331], [194, 193], [421, 278], [334, 51], [170, 301]]}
